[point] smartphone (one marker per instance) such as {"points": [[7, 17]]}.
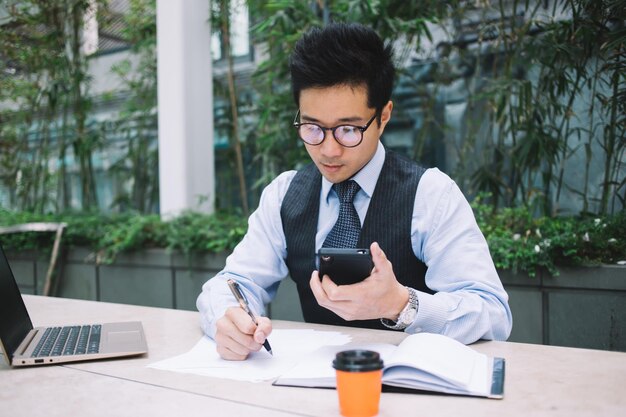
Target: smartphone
{"points": [[345, 265]]}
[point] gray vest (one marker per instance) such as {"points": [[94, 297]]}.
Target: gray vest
{"points": [[388, 222]]}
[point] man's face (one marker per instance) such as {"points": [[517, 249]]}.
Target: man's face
{"points": [[341, 105]]}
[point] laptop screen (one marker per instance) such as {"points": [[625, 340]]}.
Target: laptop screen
{"points": [[14, 320]]}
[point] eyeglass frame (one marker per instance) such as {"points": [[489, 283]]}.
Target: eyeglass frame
{"points": [[363, 128]]}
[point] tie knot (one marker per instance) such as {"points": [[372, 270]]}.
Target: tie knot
{"points": [[347, 190]]}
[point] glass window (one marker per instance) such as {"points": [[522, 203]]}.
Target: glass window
{"points": [[239, 36]]}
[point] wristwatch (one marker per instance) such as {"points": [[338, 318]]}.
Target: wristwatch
{"points": [[407, 315]]}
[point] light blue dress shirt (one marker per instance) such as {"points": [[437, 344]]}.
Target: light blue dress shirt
{"points": [[469, 301]]}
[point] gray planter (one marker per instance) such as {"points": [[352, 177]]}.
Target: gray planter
{"points": [[151, 277], [581, 307]]}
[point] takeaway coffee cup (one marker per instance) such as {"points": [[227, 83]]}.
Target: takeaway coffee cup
{"points": [[359, 375]]}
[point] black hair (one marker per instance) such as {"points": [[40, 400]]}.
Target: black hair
{"points": [[343, 54]]}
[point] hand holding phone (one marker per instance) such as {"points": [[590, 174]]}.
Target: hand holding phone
{"points": [[345, 265]]}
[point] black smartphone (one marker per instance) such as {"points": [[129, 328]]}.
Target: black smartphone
{"points": [[345, 265]]}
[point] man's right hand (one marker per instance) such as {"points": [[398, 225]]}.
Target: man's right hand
{"points": [[237, 335]]}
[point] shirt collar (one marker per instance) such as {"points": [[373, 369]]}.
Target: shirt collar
{"points": [[366, 177]]}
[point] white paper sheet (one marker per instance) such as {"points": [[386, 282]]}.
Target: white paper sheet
{"points": [[288, 346]]}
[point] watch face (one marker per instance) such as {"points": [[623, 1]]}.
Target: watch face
{"points": [[408, 317]]}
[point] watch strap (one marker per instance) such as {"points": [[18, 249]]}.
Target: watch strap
{"points": [[412, 304]]}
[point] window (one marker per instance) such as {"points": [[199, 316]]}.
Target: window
{"points": [[239, 37]]}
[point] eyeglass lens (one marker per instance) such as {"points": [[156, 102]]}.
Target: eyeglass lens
{"points": [[346, 135]]}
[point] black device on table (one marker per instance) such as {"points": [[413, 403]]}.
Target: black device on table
{"points": [[345, 265]]}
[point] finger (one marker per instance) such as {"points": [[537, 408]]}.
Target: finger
{"points": [[336, 292], [378, 257], [316, 287], [241, 320], [229, 336], [239, 327], [228, 346], [263, 330]]}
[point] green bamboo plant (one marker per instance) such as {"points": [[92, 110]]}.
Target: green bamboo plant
{"points": [[136, 121], [221, 17], [532, 73], [542, 85], [48, 91]]}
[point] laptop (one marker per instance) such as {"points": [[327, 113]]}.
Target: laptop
{"points": [[23, 345]]}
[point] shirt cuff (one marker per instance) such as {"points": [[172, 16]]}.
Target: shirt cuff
{"points": [[431, 315]]}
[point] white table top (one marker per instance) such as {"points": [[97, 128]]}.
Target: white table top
{"points": [[540, 380]]}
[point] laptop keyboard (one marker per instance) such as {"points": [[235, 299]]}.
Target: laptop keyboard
{"points": [[69, 340]]}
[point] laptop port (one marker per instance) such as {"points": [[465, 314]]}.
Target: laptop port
{"points": [[38, 360]]}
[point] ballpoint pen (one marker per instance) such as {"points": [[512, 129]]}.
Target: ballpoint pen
{"points": [[243, 303]]}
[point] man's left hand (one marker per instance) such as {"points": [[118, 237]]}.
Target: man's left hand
{"points": [[378, 296]]}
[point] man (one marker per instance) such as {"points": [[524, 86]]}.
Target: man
{"points": [[432, 269]]}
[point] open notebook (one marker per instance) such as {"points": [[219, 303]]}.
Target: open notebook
{"points": [[423, 361], [23, 345]]}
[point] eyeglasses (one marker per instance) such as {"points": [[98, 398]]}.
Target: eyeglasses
{"points": [[346, 135]]}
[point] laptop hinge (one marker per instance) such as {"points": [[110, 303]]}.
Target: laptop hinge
{"points": [[6, 355], [21, 349]]}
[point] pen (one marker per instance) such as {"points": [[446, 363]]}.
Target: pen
{"points": [[243, 303]]}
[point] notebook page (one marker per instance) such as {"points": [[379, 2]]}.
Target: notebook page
{"points": [[439, 355], [403, 376], [289, 347], [316, 370], [481, 376]]}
